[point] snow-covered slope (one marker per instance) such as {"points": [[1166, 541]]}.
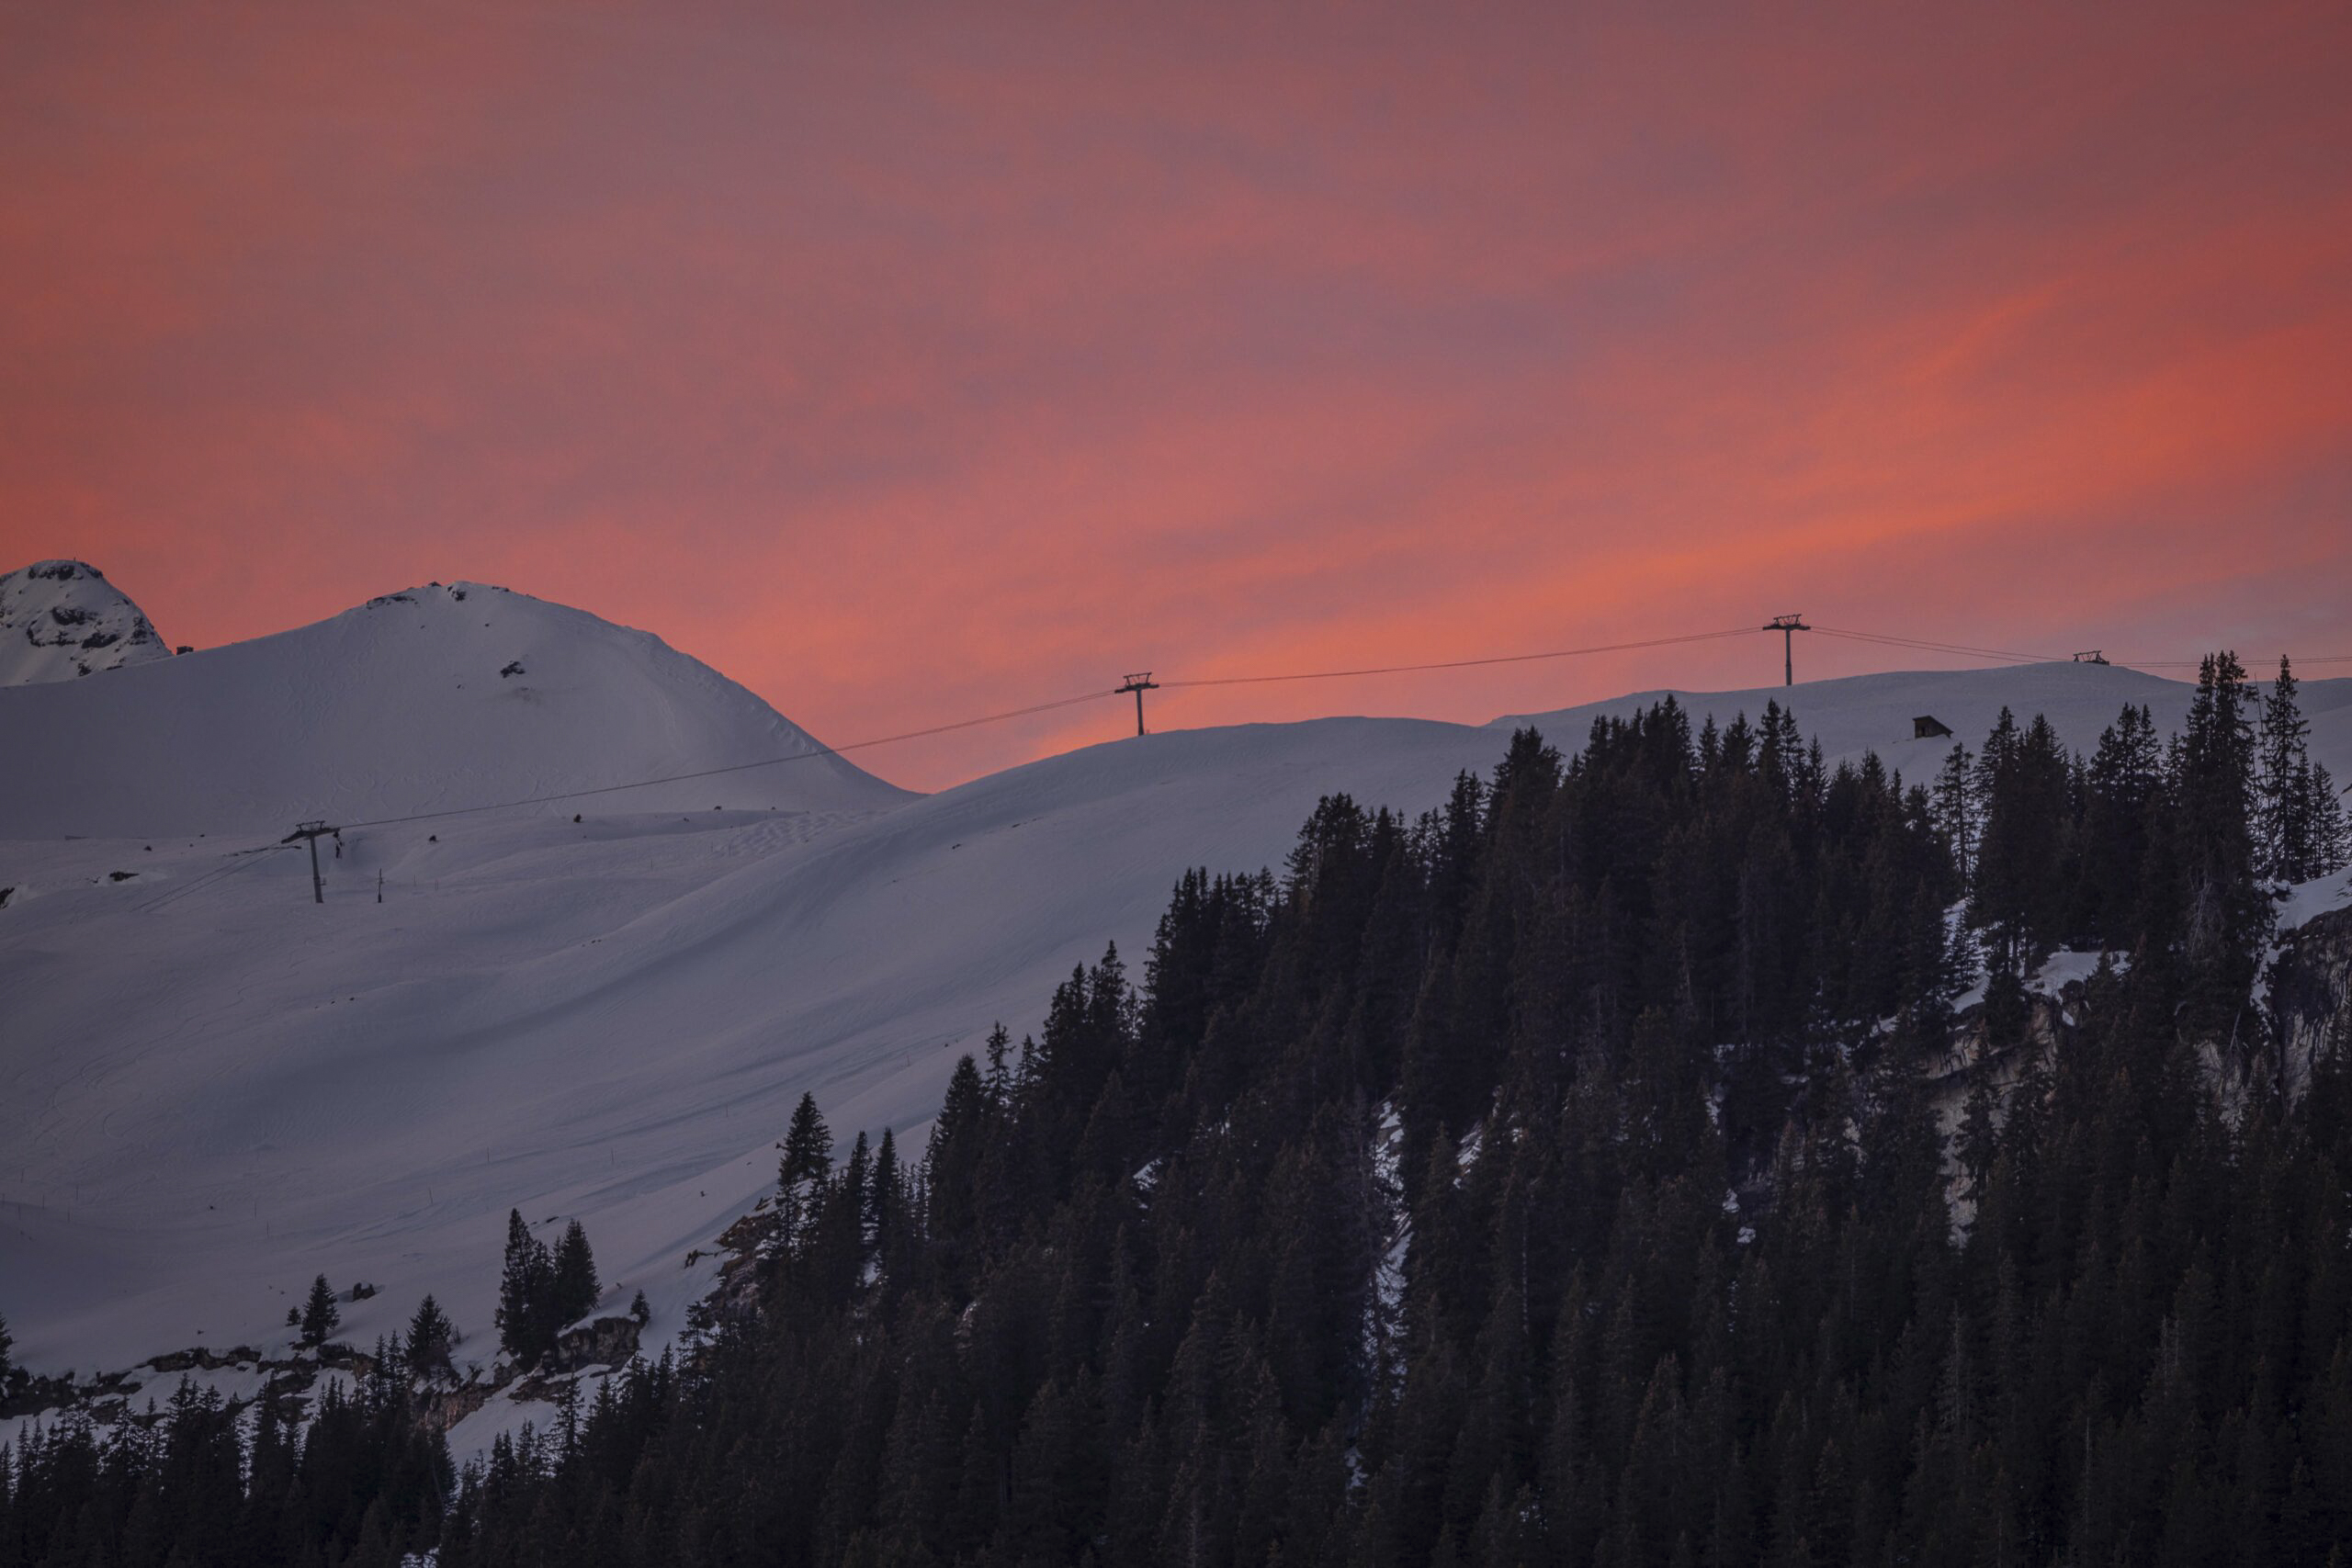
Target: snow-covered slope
{"points": [[419, 701], [60, 619], [213, 1102], [211, 1099]]}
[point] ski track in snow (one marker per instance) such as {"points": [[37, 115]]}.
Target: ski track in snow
{"points": [[213, 1102]]}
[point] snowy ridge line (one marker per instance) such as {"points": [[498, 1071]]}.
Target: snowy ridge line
{"points": [[821, 751], [1024, 712], [2193, 663], [1963, 650], [1845, 633], [2014, 657]]}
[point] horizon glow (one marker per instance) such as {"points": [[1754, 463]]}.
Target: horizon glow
{"points": [[910, 365]]}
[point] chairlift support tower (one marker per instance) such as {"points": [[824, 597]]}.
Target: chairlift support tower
{"points": [[1139, 684], [313, 831], [1788, 626]]}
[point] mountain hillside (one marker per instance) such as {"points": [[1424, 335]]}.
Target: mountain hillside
{"points": [[219, 1089], [216, 1097], [61, 619], [449, 696], [1582, 1179]]}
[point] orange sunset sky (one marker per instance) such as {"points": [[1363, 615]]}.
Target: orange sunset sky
{"points": [[908, 361]]}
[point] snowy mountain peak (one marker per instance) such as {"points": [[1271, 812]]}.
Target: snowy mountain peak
{"points": [[433, 593], [60, 619], [451, 696]]}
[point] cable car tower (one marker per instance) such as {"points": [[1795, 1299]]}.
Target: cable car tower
{"points": [[312, 831], [1788, 626], [1139, 684]]}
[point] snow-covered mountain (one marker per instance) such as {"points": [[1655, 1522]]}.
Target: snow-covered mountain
{"points": [[60, 619], [216, 1096], [419, 701]]}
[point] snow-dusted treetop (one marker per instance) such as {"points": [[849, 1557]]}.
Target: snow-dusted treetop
{"points": [[60, 619]]}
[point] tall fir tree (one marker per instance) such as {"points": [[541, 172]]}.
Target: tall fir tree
{"points": [[2283, 823], [573, 1285], [429, 1337], [801, 1174], [2331, 834], [2121, 786], [2298, 817], [2225, 917], [320, 1314], [526, 1328], [1956, 809]]}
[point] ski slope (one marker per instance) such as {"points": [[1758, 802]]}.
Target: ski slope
{"points": [[212, 1101]]}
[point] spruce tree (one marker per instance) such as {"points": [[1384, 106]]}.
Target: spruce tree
{"points": [[2299, 817], [430, 1336], [808, 1162], [572, 1287], [2226, 917], [2330, 835], [959, 1139], [319, 1314], [1955, 800], [2120, 787], [2283, 824], [2019, 870], [1999, 753], [523, 1330], [886, 1219], [999, 1083]]}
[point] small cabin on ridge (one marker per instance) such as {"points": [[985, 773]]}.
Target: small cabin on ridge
{"points": [[1927, 726]]}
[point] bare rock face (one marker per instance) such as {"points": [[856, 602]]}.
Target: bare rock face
{"points": [[2305, 995], [2311, 997], [62, 619], [603, 1342]]}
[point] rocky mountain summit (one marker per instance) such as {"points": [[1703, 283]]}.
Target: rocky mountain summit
{"points": [[62, 619]]}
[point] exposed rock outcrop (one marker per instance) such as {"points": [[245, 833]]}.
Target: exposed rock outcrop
{"points": [[2311, 997], [601, 1342]]}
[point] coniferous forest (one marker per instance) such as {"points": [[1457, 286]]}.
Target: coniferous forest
{"points": [[1594, 1170]]}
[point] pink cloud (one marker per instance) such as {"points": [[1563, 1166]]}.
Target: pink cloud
{"points": [[908, 365]]}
